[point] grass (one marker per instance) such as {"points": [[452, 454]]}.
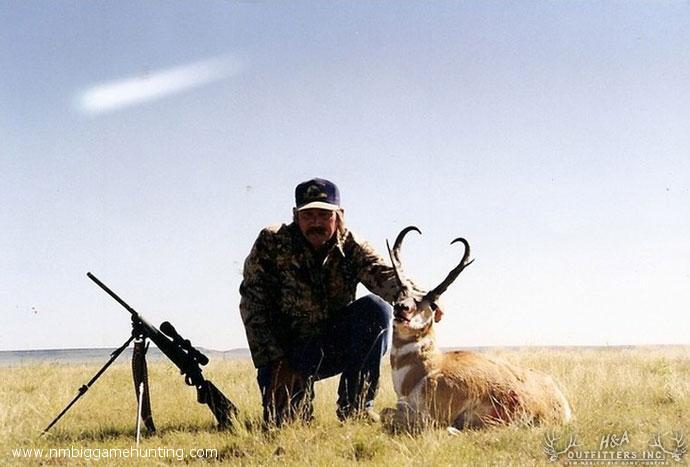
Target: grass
{"points": [[640, 391]]}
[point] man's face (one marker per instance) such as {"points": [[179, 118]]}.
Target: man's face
{"points": [[317, 225]]}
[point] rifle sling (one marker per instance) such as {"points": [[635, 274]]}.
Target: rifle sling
{"points": [[140, 375]]}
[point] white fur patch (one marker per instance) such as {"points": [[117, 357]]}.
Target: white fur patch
{"points": [[409, 347], [398, 378], [568, 413], [418, 321]]}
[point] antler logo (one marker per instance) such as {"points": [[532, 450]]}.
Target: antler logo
{"points": [[315, 192], [552, 452], [679, 449]]}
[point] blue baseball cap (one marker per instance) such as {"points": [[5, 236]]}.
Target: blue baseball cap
{"points": [[317, 193]]}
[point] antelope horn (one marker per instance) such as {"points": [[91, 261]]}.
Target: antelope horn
{"points": [[399, 240], [395, 253], [453, 274]]}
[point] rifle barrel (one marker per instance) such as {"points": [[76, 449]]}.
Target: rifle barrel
{"points": [[112, 294]]}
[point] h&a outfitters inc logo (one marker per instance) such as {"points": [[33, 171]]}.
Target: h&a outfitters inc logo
{"points": [[615, 449]]}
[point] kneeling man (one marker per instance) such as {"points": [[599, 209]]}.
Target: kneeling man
{"points": [[299, 310]]}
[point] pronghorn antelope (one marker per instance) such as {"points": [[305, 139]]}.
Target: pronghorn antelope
{"points": [[457, 389]]}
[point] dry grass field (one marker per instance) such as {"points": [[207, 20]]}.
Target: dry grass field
{"points": [[617, 394]]}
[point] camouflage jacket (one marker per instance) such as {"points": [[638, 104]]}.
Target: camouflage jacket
{"points": [[288, 295]]}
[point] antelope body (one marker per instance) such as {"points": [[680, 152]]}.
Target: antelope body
{"points": [[458, 389]]}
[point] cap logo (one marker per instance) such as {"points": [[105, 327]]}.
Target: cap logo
{"points": [[315, 192]]}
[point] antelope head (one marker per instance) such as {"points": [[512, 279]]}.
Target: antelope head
{"points": [[413, 312]]}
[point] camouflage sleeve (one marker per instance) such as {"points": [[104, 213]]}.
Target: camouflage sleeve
{"points": [[377, 275], [258, 300]]}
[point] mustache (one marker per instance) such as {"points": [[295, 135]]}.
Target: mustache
{"points": [[316, 230]]}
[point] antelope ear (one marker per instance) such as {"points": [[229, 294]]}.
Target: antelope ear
{"points": [[438, 314], [438, 308]]}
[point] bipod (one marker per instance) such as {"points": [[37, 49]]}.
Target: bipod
{"points": [[139, 374], [82, 390]]}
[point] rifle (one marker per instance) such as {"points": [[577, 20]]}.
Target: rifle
{"points": [[179, 350]]}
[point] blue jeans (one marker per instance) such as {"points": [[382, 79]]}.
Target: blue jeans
{"points": [[352, 345]]}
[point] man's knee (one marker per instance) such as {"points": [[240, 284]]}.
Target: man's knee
{"points": [[371, 323], [373, 309]]}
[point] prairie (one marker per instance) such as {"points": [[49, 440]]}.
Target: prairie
{"points": [[621, 394]]}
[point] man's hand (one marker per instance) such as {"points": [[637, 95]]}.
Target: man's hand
{"points": [[284, 376], [284, 384]]}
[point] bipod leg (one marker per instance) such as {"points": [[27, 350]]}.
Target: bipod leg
{"points": [[141, 376], [82, 390]]}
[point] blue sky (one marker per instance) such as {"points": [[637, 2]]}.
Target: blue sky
{"points": [[149, 142]]}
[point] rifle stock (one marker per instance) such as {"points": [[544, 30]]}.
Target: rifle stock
{"points": [[221, 407]]}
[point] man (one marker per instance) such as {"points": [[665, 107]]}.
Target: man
{"points": [[299, 310]]}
